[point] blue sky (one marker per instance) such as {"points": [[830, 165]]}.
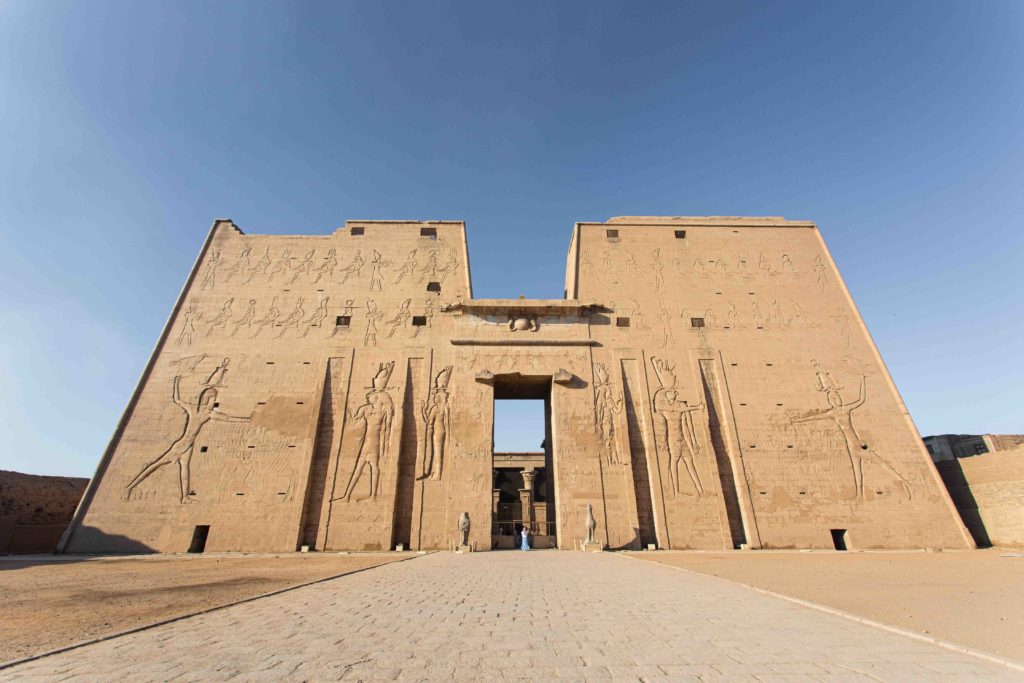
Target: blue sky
{"points": [[127, 127]]}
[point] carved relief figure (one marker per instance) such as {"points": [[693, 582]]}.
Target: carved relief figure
{"points": [[758, 318], [188, 323], [354, 268], [609, 267], [449, 267], [246, 319], [588, 267], [765, 267], [526, 323], [180, 451], [428, 314], [260, 268], [293, 319], [376, 276], [732, 317], [776, 316], [318, 316], [659, 270], [211, 271], [408, 268], [676, 416], [269, 318], [221, 318], [606, 407], [280, 266], [787, 265], [742, 270], [668, 338], [436, 412], [326, 269], [677, 265], [631, 265], [304, 267], [372, 316], [429, 271], [698, 268], [721, 268], [798, 315], [820, 274], [400, 319], [241, 264], [373, 418], [841, 414]]}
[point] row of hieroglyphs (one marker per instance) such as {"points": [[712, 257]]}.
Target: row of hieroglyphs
{"points": [[230, 320], [683, 427], [311, 268], [778, 268]]}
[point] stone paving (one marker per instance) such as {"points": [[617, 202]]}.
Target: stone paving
{"points": [[523, 616]]}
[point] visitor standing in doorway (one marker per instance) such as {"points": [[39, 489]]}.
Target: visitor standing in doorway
{"points": [[526, 538]]}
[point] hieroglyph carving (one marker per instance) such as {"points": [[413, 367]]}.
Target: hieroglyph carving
{"points": [[377, 266], [373, 420], [372, 317], [317, 318], [677, 418], [841, 413], [181, 449], [436, 412], [408, 268], [304, 268], [268, 319], [260, 268], [246, 319], [326, 269], [293, 319], [354, 268], [606, 407], [241, 264], [222, 318], [188, 323], [211, 271], [400, 319]]}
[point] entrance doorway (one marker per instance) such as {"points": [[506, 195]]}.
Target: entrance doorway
{"points": [[523, 491]]}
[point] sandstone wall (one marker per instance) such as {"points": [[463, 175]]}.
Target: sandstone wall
{"points": [[34, 510], [710, 385], [988, 491]]}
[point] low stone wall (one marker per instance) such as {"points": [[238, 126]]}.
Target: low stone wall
{"points": [[34, 510], [988, 491]]}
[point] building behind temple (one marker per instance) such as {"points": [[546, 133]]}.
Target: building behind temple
{"points": [[707, 382]]}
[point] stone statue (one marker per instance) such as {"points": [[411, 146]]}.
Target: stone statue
{"points": [[464, 528], [591, 524]]}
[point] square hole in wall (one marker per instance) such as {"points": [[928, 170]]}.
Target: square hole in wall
{"points": [[611, 234], [433, 286], [203, 449], [429, 232], [622, 322], [680, 234], [696, 322], [355, 232], [216, 404], [419, 321], [343, 320]]}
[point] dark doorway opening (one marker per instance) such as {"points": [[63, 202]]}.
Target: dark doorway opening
{"points": [[839, 538], [523, 489], [199, 536]]}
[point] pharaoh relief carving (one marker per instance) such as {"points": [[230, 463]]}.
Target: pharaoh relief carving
{"points": [[377, 266], [840, 413], [198, 413], [631, 265], [658, 268], [373, 316], [428, 316], [606, 407], [372, 422], [450, 266], [353, 269], [665, 318], [211, 271], [609, 268], [681, 441], [429, 270], [436, 413], [188, 323], [820, 274]]}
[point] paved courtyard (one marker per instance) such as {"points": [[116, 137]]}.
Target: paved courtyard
{"points": [[534, 616]]}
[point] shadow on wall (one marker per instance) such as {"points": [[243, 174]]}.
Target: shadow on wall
{"points": [[960, 491], [89, 540]]}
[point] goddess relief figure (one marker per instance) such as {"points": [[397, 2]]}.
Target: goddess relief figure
{"points": [[606, 407], [436, 411]]}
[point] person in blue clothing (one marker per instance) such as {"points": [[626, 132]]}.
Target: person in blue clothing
{"points": [[526, 538]]}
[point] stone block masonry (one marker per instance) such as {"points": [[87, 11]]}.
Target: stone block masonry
{"points": [[708, 383]]}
